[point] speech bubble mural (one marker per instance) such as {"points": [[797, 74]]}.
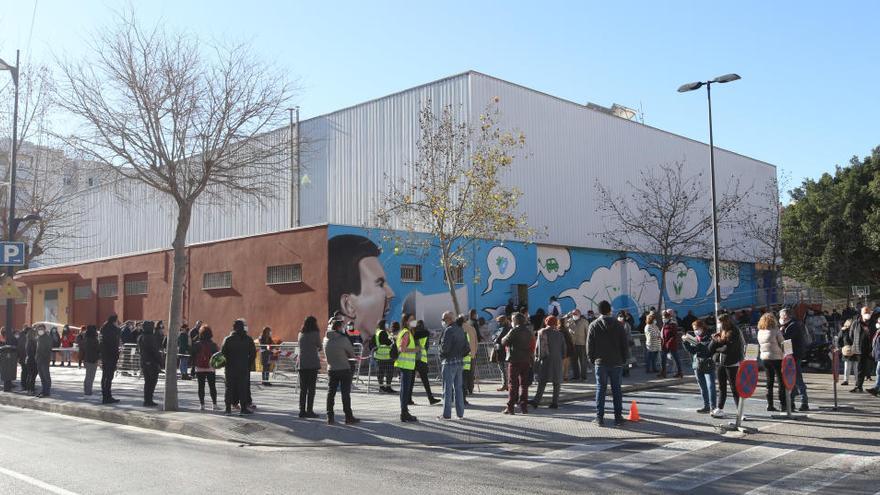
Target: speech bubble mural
{"points": [[681, 283], [729, 278], [502, 265], [553, 262], [623, 277]]}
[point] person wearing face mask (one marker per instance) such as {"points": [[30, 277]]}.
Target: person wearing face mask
{"points": [[697, 344], [875, 351], [421, 334], [43, 358], [627, 329], [240, 353], [31, 360], [453, 348], [792, 330], [577, 328], [406, 363]]}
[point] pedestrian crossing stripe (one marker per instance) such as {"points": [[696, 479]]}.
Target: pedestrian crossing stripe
{"points": [[821, 475], [552, 456], [642, 459], [719, 468]]}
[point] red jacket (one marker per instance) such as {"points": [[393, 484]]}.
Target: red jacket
{"points": [[68, 340], [670, 337]]}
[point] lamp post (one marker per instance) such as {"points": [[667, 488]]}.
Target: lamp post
{"points": [[691, 87], [11, 223]]}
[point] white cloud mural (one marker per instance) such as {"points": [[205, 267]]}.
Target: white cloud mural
{"points": [[729, 278], [623, 277], [681, 283], [502, 265], [553, 262]]}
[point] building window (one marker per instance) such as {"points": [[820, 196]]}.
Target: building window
{"points": [[457, 275], [81, 292], [107, 289], [410, 273], [136, 287], [284, 274], [91, 182], [217, 280]]}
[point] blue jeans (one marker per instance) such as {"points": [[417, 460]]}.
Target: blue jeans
{"points": [[184, 365], [800, 387], [603, 375], [707, 388], [406, 385], [670, 355], [453, 389], [877, 377], [651, 362]]}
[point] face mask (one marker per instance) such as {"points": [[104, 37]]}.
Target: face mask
{"points": [[412, 324], [620, 319], [576, 317], [698, 332], [41, 332]]}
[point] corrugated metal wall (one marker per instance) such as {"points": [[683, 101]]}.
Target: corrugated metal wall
{"points": [[349, 155]]}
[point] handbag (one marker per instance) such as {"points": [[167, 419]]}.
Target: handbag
{"points": [[847, 351]]}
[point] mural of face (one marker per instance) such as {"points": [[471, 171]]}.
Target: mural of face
{"points": [[374, 300]]}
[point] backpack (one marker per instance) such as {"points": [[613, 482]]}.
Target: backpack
{"points": [[203, 358]]}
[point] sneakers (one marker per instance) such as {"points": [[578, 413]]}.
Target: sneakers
{"points": [[856, 390], [434, 400], [508, 410], [844, 382], [501, 389], [771, 408], [443, 418], [718, 413], [408, 418], [703, 410]]}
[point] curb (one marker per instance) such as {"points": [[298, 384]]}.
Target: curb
{"points": [[113, 415], [626, 389]]}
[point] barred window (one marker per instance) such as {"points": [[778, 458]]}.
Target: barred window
{"points": [[410, 273], [284, 274], [81, 292], [136, 287], [217, 280], [457, 274], [107, 289]]}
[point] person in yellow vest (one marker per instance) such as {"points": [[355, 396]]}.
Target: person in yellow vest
{"points": [[468, 374], [406, 363], [421, 334], [382, 344]]}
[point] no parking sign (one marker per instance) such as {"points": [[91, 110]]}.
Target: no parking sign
{"points": [[789, 372], [747, 378]]}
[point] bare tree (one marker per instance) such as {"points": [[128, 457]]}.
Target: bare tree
{"points": [[453, 190], [157, 108], [761, 226], [40, 186], [665, 217]]}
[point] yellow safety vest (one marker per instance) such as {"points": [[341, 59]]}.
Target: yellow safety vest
{"points": [[423, 349], [467, 359], [383, 352], [406, 360]]}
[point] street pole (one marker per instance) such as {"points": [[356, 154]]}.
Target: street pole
{"points": [[714, 209], [10, 234]]}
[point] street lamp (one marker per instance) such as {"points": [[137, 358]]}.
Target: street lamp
{"points": [[10, 234], [691, 87]]}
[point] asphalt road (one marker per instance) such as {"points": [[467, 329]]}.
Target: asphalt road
{"points": [[47, 453]]}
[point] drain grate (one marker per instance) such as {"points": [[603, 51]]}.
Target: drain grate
{"points": [[248, 428]]}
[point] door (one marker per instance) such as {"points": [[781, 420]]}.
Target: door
{"points": [[50, 305]]}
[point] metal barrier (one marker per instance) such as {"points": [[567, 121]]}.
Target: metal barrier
{"points": [[129, 361]]}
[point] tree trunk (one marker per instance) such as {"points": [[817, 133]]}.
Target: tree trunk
{"points": [[450, 283], [178, 278], [662, 288]]}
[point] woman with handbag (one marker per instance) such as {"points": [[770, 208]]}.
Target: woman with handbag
{"points": [[697, 343], [770, 339], [844, 343]]}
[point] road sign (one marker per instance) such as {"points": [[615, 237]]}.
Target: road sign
{"points": [[8, 290], [747, 378], [11, 254], [835, 364], [789, 372]]}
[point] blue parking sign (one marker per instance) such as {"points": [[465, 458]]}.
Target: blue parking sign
{"points": [[12, 253]]}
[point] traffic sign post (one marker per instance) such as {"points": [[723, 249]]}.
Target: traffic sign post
{"points": [[12, 253], [746, 383], [789, 380], [835, 376]]}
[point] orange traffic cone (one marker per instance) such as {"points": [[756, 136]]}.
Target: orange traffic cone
{"points": [[633, 412]]}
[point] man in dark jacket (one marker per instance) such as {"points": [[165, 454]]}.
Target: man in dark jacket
{"points": [[608, 350], [31, 361], [43, 356], [792, 330], [90, 352], [453, 348], [240, 353], [109, 358], [151, 358], [21, 348], [520, 349]]}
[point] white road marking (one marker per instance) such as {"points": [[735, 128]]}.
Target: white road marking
{"points": [[35, 482], [719, 468], [641, 459], [818, 476], [475, 453], [565, 454]]}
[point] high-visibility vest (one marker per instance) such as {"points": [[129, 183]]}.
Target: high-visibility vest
{"points": [[383, 352], [406, 360], [423, 349], [467, 359]]}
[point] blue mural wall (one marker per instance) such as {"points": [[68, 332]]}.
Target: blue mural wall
{"points": [[496, 272]]}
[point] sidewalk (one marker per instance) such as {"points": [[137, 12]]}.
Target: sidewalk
{"points": [[276, 421]]}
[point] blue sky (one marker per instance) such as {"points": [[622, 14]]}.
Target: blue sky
{"points": [[808, 99]]}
